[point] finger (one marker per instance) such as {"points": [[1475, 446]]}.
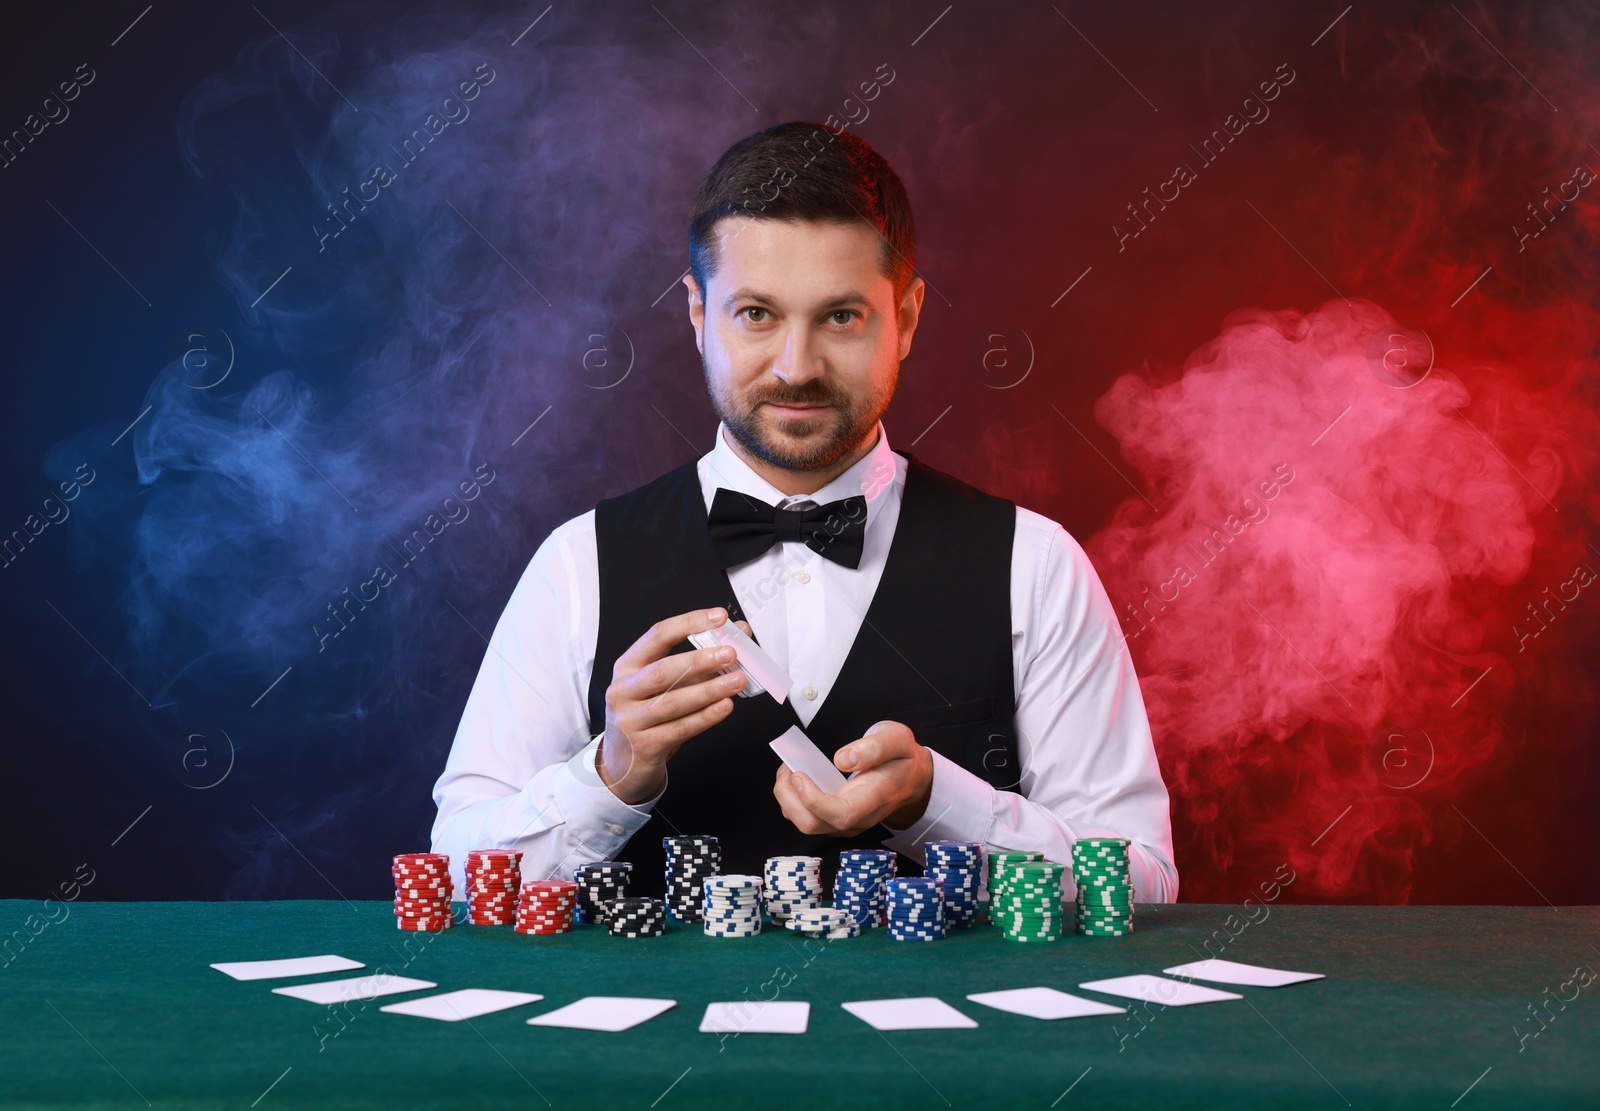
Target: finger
{"points": [[676, 702], [835, 811], [670, 733], [681, 669], [783, 789], [664, 635], [744, 627], [885, 741]]}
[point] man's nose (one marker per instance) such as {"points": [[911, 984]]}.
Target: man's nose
{"points": [[799, 361]]}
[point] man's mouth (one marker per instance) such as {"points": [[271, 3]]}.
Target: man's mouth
{"points": [[797, 411]]}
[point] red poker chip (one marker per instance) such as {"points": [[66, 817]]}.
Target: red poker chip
{"points": [[423, 925], [420, 858], [440, 880], [551, 885], [422, 910], [491, 901], [544, 932], [493, 854], [407, 902]]}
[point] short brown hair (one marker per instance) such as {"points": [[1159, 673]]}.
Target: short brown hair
{"points": [[805, 171]]}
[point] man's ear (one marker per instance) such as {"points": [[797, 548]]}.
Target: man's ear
{"points": [[697, 311], [909, 313]]}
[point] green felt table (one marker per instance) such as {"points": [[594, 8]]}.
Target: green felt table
{"points": [[115, 1005]]}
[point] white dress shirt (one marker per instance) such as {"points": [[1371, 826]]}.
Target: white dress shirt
{"points": [[521, 773]]}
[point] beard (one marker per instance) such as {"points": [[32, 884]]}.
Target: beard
{"points": [[809, 444]]}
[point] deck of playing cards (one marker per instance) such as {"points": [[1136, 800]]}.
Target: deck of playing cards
{"points": [[762, 671]]}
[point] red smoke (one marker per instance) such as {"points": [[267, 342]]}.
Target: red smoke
{"points": [[1322, 611]]}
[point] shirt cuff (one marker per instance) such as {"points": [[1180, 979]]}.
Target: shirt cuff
{"points": [[960, 808], [595, 818]]}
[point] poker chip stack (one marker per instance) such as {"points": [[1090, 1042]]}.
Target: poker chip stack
{"points": [[916, 909], [598, 884], [824, 922], [1029, 905], [958, 866], [792, 884], [732, 906], [636, 917], [690, 860], [1105, 889], [858, 885], [998, 863], [422, 892], [546, 907], [493, 877]]}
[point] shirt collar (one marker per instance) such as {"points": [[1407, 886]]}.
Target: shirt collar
{"points": [[871, 476]]}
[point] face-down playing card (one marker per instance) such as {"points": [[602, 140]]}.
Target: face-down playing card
{"points": [[799, 754], [765, 676]]}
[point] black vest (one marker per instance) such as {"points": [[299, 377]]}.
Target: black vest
{"points": [[934, 652]]}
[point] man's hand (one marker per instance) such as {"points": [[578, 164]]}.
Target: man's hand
{"points": [[894, 784], [657, 701]]}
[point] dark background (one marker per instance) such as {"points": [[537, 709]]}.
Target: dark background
{"points": [[173, 712]]}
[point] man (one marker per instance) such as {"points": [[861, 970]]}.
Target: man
{"points": [[952, 652]]}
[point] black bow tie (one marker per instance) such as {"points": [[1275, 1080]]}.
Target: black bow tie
{"points": [[743, 528]]}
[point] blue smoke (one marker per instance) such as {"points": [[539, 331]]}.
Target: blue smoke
{"points": [[453, 260]]}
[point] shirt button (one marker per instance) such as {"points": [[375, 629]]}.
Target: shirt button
{"points": [[616, 830], [810, 693], [803, 577]]}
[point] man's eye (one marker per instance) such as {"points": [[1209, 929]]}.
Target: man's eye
{"points": [[848, 315], [753, 309]]}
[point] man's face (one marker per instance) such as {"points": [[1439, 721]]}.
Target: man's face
{"points": [[800, 337]]}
